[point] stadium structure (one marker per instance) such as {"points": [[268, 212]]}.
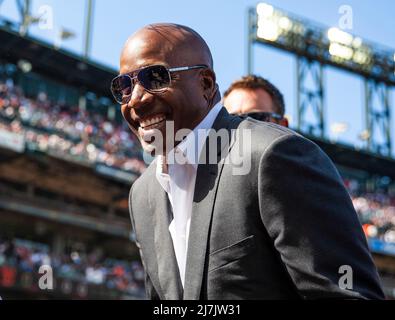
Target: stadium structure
{"points": [[67, 162], [368, 172], [64, 180]]}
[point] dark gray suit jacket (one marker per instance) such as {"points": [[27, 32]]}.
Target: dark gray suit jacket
{"points": [[282, 231]]}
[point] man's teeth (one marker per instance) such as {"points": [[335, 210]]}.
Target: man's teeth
{"points": [[151, 121]]}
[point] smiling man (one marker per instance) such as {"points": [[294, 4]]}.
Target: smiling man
{"points": [[284, 229], [149, 109]]}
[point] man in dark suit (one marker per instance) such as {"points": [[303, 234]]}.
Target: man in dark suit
{"points": [[276, 223]]}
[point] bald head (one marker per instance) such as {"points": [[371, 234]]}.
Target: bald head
{"points": [[190, 94], [172, 42]]}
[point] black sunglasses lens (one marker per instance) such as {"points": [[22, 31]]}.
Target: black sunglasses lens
{"points": [[121, 88], [154, 78], [265, 116], [261, 116]]}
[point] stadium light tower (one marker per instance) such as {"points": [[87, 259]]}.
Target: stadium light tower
{"points": [[316, 46], [27, 19], [88, 28]]}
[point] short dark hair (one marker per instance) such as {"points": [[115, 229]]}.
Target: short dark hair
{"points": [[256, 82]]}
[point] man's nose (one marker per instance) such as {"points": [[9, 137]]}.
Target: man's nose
{"points": [[140, 97]]}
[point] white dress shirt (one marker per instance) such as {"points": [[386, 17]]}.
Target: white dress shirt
{"points": [[179, 183]]}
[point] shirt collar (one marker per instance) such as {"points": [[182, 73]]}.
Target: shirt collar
{"points": [[161, 174], [192, 145]]}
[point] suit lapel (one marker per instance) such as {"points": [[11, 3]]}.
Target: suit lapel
{"points": [[168, 273], [206, 185]]}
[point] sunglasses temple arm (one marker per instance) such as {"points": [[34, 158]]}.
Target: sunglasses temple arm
{"points": [[186, 68], [180, 69]]}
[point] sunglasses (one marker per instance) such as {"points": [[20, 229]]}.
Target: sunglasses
{"points": [[263, 116], [154, 79]]}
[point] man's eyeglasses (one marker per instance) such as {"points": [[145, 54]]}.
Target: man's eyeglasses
{"points": [[263, 116], [154, 79]]}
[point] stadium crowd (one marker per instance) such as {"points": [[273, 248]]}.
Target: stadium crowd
{"points": [[88, 268], [376, 211], [68, 131]]}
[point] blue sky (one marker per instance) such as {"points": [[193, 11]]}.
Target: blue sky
{"points": [[223, 24]]}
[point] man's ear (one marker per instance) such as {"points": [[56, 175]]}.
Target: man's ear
{"points": [[209, 86], [208, 81]]}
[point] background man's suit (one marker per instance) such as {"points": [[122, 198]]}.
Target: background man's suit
{"points": [[281, 231]]}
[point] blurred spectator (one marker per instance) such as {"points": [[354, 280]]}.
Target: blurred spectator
{"points": [[257, 98], [91, 268], [376, 211]]}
